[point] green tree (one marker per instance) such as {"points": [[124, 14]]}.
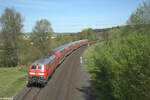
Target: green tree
{"points": [[83, 34], [141, 15], [11, 26], [41, 35], [88, 34]]}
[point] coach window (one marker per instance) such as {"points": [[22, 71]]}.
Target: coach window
{"points": [[61, 52], [58, 58]]}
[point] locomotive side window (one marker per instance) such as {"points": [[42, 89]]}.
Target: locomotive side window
{"points": [[33, 67], [49, 64]]}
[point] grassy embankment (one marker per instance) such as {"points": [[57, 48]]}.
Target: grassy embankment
{"points": [[120, 69], [11, 81]]}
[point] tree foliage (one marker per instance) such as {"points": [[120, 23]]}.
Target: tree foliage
{"points": [[120, 68], [41, 34], [11, 26], [88, 34], [141, 15]]}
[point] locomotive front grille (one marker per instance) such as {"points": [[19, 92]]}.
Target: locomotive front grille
{"points": [[36, 77]]}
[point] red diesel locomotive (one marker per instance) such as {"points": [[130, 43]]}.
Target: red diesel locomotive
{"points": [[42, 69]]}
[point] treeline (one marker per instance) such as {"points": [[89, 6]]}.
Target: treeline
{"points": [[18, 48], [120, 66]]}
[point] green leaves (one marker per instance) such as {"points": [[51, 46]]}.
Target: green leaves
{"points": [[42, 27], [88, 34], [121, 68], [41, 35], [11, 26], [141, 15]]}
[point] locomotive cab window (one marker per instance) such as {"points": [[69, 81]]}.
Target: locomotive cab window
{"points": [[39, 67], [33, 67]]}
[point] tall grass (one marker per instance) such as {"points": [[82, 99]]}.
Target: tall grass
{"points": [[120, 68]]}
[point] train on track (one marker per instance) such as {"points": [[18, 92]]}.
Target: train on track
{"points": [[42, 69]]}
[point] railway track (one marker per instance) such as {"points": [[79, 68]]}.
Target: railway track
{"points": [[29, 91], [65, 84], [38, 92], [94, 42]]}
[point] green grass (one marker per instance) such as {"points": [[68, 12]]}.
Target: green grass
{"points": [[11, 81]]}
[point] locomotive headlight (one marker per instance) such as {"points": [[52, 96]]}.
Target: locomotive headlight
{"points": [[40, 73], [31, 73]]}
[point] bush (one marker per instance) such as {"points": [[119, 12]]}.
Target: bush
{"points": [[120, 68]]}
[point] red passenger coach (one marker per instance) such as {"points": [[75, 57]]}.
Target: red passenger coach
{"points": [[74, 45], [79, 44], [67, 49], [59, 53]]}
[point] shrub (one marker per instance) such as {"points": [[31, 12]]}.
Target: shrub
{"points": [[120, 68]]}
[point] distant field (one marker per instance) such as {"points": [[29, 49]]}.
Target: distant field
{"points": [[11, 81]]}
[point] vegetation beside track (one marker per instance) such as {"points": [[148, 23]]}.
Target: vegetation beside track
{"points": [[120, 68], [12, 80]]}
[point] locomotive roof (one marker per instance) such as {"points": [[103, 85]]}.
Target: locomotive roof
{"points": [[44, 60], [69, 44], [62, 47]]}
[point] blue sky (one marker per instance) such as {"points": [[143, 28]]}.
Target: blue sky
{"points": [[73, 15]]}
